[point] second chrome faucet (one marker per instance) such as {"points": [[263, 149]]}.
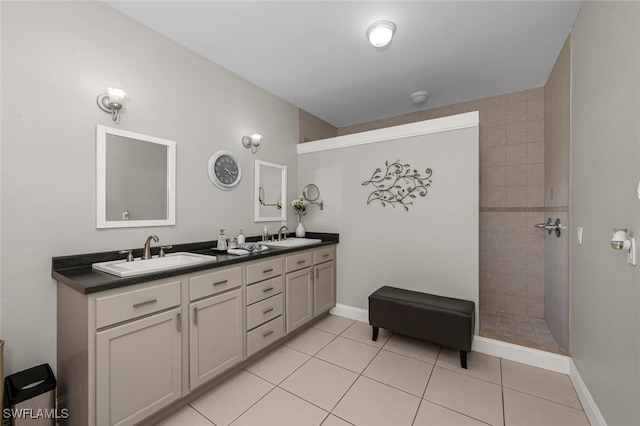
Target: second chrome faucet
{"points": [[146, 250]]}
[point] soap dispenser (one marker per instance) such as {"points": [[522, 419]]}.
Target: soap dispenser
{"points": [[241, 238], [222, 241]]}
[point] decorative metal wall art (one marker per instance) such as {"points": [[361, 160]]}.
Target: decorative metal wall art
{"points": [[398, 184]]}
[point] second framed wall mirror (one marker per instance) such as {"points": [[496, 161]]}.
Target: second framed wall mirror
{"points": [[270, 192]]}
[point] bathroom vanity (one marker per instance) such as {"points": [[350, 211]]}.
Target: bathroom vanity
{"points": [[128, 347]]}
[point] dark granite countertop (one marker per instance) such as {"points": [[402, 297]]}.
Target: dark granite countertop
{"points": [[76, 271]]}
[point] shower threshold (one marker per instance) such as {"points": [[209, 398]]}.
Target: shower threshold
{"points": [[520, 330]]}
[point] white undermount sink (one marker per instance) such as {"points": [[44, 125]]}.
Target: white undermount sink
{"points": [[292, 242], [122, 268]]}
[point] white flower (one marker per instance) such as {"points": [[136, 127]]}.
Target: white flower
{"points": [[300, 206]]}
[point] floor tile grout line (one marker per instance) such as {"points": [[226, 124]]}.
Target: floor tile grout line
{"points": [[205, 417], [456, 411], [543, 398]]}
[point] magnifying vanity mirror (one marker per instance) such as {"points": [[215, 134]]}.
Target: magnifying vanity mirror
{"points": [[136, 179], [270, 192], [311, 193]]}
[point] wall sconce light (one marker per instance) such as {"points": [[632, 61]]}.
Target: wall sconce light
{"points": [[112, 101], [380, 33], [619, 241], [252, 142]]}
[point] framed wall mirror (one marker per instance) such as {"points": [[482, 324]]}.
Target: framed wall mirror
{"points": [[270, 192], [136, 179]]}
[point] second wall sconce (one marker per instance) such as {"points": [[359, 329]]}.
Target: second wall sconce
{"points": [[620, 241], [252, 142], [112, 101]]}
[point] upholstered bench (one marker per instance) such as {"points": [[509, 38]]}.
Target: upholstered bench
{"points": [[443, 320]]}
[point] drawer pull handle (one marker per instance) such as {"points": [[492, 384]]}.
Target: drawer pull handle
{"points": [[195, 316], [266, 311], [300, 262], [267, 333], [221, 282], [325, 255], [148, 302], [267, 289], [179, 322], [266, 271]]}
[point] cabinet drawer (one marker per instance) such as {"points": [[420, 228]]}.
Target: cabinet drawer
{"points": [[136, 303], [264, 270], [262, 336], [298, 261], [214, 282], [324, 255], [264, 289], [264, 311]]}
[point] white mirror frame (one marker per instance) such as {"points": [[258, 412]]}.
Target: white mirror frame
{"points": [[256, 193], [101, 179]]}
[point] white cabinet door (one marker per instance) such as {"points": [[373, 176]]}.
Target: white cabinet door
{"points": [[216, 336], [299, 298], [324, 287], [138, 368]]}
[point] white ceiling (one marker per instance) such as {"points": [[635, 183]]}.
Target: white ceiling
{"points": [[315, 54]]}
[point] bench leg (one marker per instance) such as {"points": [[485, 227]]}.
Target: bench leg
{"points": [[375, 333], [463, 359]]}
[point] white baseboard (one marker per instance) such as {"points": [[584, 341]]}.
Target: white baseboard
{"points": [[517, 353], [588, 404], [350, 312], [546, 360]]}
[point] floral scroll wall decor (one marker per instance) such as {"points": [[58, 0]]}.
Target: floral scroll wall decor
{"points": [[398, 184]]}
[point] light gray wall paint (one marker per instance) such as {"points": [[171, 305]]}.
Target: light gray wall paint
{"points": [[433, 247], [605, 144], [56, 58]]}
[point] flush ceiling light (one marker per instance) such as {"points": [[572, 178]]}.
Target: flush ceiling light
{"points": [[380, 33], [112, 101], [419, 97]]}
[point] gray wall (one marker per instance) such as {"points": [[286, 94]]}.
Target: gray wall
{"points": [[605, 144], [556, 199], [56, 58], [432, 247]]}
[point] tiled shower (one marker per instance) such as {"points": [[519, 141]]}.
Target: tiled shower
{"points": [[513, 199]]}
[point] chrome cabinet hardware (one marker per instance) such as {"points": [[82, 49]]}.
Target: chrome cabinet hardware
{"points": [[195, 316], [267, 289], [179, 322], [266, 271], [267, 333], [266, 311], [221, 282], [146, 302]]}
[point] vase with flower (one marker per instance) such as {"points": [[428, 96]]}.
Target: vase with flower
{"points": [[300, 208]]}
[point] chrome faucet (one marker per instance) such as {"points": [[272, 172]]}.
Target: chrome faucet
{"points": [[146, 251], [282, 228]]}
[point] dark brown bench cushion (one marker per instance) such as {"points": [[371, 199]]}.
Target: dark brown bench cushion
{"points": [[444, 320]]}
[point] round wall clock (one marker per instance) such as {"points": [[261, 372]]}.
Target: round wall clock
{"points": [[224, 170]]}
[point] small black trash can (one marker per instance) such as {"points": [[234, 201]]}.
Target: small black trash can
{"points": [[31, 397]]}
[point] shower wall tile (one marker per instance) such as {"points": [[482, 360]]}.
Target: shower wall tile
{"points": [[535, 308], [516, 133], [495, 135], [517, 112], [516, 175], [496, 156], [516, 196], [535, 130], [517, 154], [516, 305], [535, 153]]}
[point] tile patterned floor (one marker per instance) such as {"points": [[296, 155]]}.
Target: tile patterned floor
{"points": [[518, 329], [333, 375]]}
